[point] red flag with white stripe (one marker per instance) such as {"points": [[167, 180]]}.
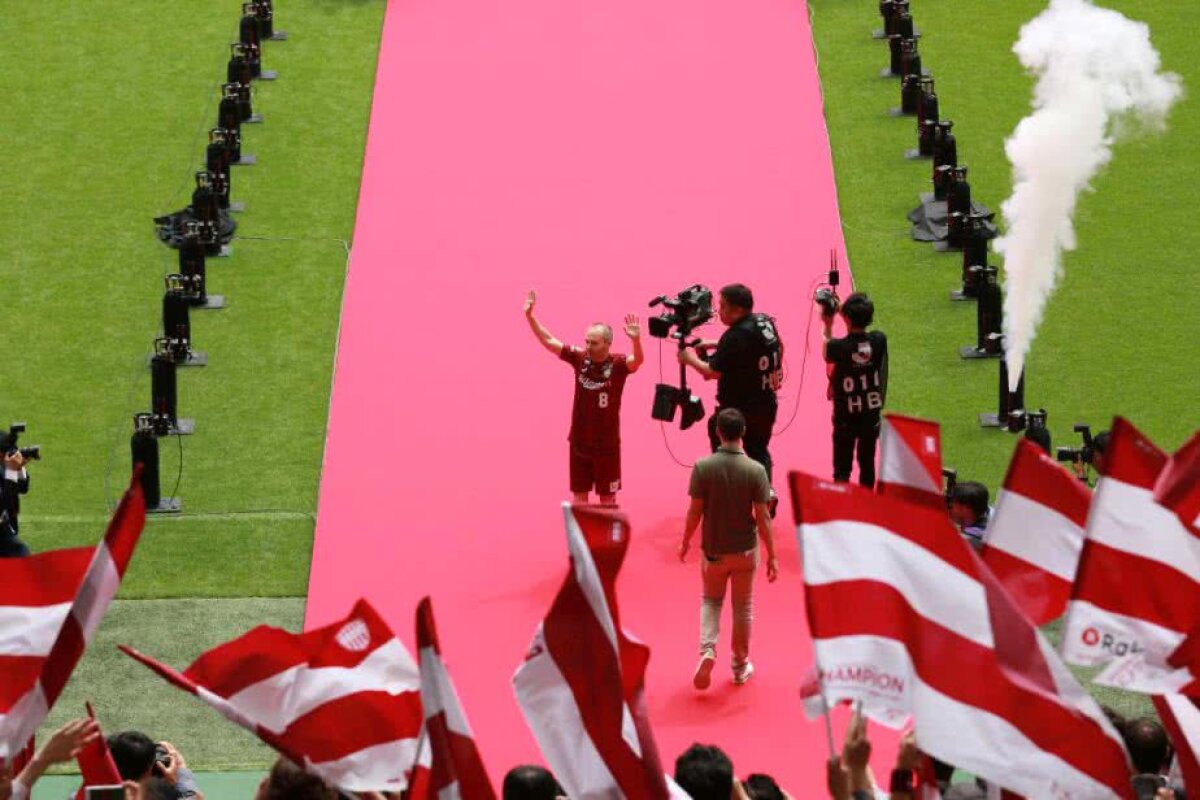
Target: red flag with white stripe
{"points": [[455, 768], [1178, 485], [50, 607], [1033, 541], [342, 701], [1137, 591], [580, 687], [905, 618], [96, 764], [1181, 717], [910, 460]]}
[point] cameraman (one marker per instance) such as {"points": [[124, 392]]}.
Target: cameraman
{"points": [[746, 364], [1080, 463], [857, 386], [14, 484]]}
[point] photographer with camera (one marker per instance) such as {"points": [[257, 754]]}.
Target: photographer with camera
{"points": [[595, 437], [1090, 454], [857, 385], [747, 364], [157, 765], [15, 483]]}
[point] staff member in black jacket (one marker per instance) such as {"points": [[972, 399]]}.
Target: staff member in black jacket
{"points": [[15, 483], [747, 365], [857, 386]]}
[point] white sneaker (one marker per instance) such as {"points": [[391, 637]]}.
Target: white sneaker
{"points": [[703, 676], [743, 674]]}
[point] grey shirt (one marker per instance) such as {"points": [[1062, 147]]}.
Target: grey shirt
{"points": [[730, 483]]}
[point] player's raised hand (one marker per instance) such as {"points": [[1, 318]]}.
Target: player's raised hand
{"points": [[633, 328], [530, 301]]}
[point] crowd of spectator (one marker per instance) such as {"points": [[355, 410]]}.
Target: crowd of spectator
{"points": [[158, 771]]}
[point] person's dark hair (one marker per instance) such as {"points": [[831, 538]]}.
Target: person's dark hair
{"points": [[858, 310], [1100, 441], [1147, 743], [705, 772], [530, 782], [731, 424], [286, 781], [738, 294], [1115, 717], [133, 752], [973, 495], [762, 787]]}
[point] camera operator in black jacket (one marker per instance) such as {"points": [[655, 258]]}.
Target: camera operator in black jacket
{"points": [[746, 363], [857, 387], [15, 483]]}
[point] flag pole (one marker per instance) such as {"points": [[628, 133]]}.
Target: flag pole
{"points": [[825, 710]]}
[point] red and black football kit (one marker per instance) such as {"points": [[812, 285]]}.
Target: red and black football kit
{"points": [[595, 436]]}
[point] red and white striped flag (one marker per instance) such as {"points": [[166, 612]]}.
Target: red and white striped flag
{"points": [[905, 618], [342, 701], [1178, 485], [1137, 591], [910, 460], [454, 768], [580, 687], [1181, 717], [50, 607], [1033, 541]]}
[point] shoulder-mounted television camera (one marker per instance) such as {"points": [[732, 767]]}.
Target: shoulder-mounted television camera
{"points": [[827, 296], [689, 309]]}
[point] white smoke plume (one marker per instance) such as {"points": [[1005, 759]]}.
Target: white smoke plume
{"points": [[1096, 73]]}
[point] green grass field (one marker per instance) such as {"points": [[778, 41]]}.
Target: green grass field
{"points": [[1117, 331], [106, 125]]}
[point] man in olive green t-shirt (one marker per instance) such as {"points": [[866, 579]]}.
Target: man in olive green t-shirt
{"points": [[730, 493]]}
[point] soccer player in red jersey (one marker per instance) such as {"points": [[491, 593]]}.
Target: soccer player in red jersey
{"points": [[595, 438]]}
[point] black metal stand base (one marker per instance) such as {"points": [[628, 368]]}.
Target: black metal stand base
{"points": [[196, 358], [268, 75], [184, 426], [278, 36], [212, 302], [915, 154], [886, 72], [167, 505], [246, 160], [972, 352]]}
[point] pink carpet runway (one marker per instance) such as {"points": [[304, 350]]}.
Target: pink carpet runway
{"points": [[603, 153]]}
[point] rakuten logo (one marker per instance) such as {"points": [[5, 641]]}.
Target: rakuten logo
{"points": [[1109, 643]]}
